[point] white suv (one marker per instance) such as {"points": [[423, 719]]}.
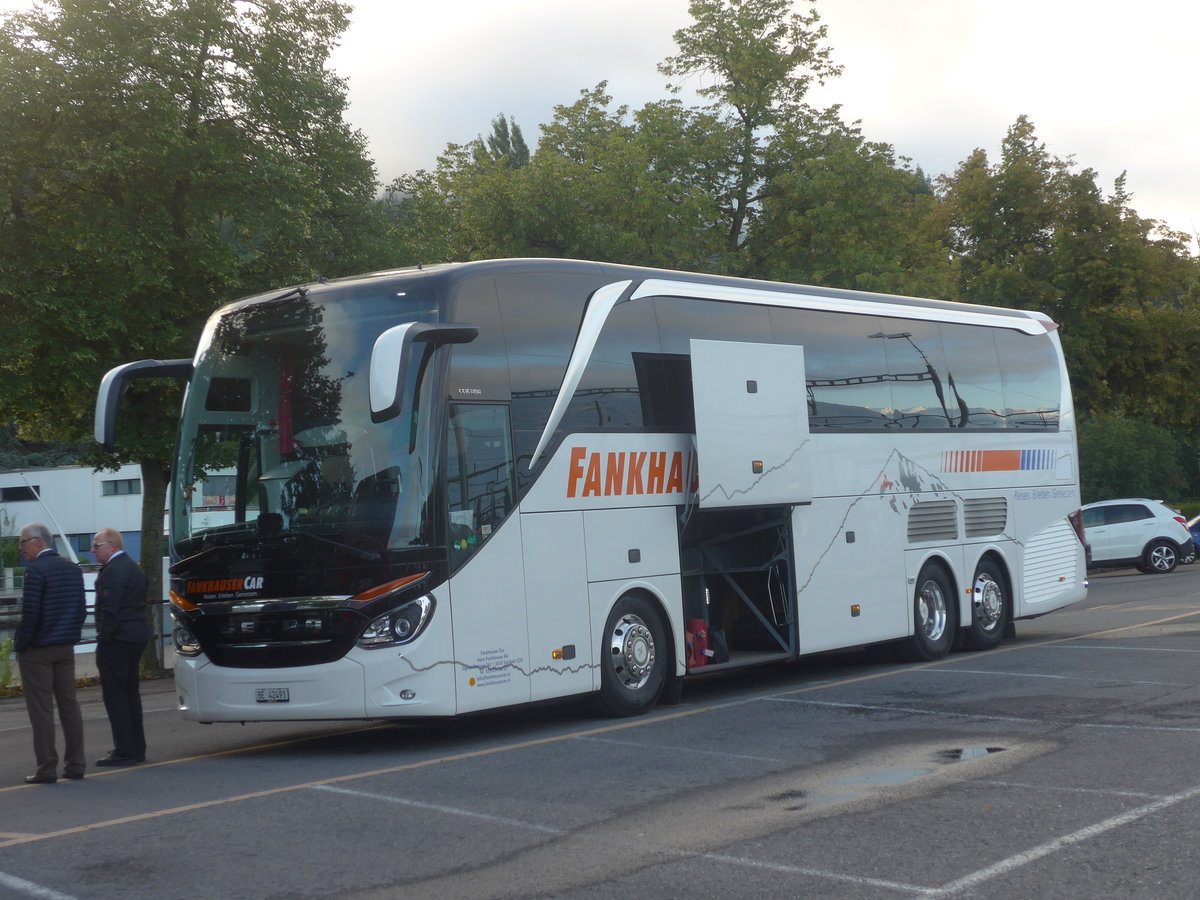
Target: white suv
{"points": [[1142, 533]]}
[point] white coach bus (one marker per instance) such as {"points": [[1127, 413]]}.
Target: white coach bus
{"points": [[467, 486]]}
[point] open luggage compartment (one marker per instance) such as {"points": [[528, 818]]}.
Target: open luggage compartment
{"points": [[738, 594]]}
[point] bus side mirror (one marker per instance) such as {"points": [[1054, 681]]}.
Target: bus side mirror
{"points": [[113, 386], [392, 356]]}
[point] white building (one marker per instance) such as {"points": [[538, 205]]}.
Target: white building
{"points": [[74, 502]]}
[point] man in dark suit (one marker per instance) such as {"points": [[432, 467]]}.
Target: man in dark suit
{"points": [[52, 614], [121, 635]]}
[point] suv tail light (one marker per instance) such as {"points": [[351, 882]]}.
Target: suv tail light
{"points": [[1181, 520]]}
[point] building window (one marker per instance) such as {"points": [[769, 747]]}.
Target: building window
{"points": [[120, 486], [215, 492], [16, 494]]}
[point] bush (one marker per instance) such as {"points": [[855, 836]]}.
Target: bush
{"points": [[8, 553], [1121, 457], [6, 654]]}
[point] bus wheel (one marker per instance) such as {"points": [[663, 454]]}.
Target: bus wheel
{"points": [[989, 607], [633, 658], [933, 617]]}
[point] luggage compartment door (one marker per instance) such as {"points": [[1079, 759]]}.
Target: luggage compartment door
{"points": [[751, 423]]}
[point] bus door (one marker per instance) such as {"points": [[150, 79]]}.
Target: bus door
{"points": [[487, 584], [751, 435], [751, 424]]}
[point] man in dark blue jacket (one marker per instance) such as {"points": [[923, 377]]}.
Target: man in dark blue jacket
{"points": [[52, 614], [121, 635]]}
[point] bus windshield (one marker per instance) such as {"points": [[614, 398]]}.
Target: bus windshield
{"points": [[276, 443]]}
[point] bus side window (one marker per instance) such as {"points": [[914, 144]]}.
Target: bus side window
{"points": [[479, 474]]}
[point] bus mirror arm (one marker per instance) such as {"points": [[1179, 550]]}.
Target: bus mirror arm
{"points": [[113, 386], [392, 356]]}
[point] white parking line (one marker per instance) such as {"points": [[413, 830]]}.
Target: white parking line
{"points": [[100, 715], [1040, 788], [815, 873], [1006, 674], [1120, 726], [435, 807], [947, 670], [874, 707], [1132, 649], [29, 889], [1033, 854], [669, 749], [941, 713]]}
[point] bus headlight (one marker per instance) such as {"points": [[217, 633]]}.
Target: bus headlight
{"points": [[399, 626], [185, 642]]}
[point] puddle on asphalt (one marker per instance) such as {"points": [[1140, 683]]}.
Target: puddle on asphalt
{"points": [[968, 753], [882, 777], [829, 799]]}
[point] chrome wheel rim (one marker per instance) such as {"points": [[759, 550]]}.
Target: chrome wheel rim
{"points": [[631, 647], [931, 611], [988, 602]]}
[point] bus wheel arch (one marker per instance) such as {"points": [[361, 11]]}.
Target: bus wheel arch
{"points": [[991, 604], [636, 656], [935, 614]]}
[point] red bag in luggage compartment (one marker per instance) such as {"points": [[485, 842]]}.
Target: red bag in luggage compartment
{"points": [[695, 634]]}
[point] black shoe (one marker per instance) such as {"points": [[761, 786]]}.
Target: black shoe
{"points": [[40, 779], [114, 759], [76, 777]]}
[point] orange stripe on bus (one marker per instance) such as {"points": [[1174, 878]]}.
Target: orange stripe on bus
{"points": [[1001, 460]]}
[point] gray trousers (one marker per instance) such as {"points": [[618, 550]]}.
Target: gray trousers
{"points": [[48, 677]]}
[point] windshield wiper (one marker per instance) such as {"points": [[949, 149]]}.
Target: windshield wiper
{"points": [[357, 551]]}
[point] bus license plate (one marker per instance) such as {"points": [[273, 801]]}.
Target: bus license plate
{"points": [[272, 695]]}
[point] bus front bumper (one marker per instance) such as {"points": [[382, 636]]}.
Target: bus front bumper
{"points": [[365, 684]]}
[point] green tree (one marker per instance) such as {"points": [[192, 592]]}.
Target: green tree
{"points": [[609, 184], [1035, 232], [507, 143], [844, 212], [18, 454], [759, 58], [603, 184], [1003, 220], [160, 157], [1128, 457]]}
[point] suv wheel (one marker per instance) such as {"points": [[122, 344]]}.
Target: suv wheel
{"points": [[1159, 557]]}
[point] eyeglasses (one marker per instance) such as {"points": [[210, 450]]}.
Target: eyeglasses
{"points": [[25, 540], [100, 544]]}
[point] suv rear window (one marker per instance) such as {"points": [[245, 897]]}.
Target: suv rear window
{"points": [[1126, 512]]}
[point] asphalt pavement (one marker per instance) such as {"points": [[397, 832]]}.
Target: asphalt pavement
{"points": [[1058, 765]]}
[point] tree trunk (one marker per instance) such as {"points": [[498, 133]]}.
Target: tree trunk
{"points": [[155, 475]]}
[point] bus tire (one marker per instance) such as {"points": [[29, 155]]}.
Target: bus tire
{"points": [[672, 692], [934, 619], [990, 609], [633, 658]]}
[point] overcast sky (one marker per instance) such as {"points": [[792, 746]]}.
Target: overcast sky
{"points": [[1111, 84]]}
